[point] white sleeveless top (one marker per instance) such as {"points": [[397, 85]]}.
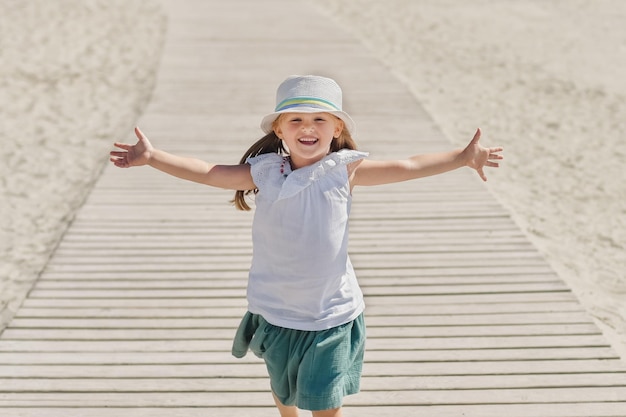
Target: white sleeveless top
{"points": [[301, 276]]}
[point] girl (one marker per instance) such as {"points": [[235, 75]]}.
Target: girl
{"points": [[304, 304]]}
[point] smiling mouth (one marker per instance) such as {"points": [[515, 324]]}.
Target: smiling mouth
{"points": [[308, 141]]}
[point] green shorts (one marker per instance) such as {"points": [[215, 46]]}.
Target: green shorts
{"points": [[311, 370]]}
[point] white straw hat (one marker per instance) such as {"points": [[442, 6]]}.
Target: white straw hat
{"points": [[308, 94]]}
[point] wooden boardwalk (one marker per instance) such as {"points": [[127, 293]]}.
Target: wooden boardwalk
{"points": [[135, 313]]}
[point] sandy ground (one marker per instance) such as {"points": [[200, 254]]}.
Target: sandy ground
{"points": [[544, 79], [73, 75]]}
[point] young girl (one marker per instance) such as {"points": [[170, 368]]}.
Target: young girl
{"points": [[304, 303]]}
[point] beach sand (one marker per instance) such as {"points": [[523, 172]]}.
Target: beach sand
{"points": [[544, 79], [73, 75]]}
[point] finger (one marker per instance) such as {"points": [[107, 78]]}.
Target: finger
{"points": [[481, 173], [498, 149], [124, 146], [139, 134], [119, 162], [494, 156], [492, 164], [476, 137], [118, 154]]}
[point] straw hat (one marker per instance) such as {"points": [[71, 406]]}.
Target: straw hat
{"points": [[308, 94]]}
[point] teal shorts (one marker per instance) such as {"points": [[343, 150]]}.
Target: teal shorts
{"points": [[311, 370]]}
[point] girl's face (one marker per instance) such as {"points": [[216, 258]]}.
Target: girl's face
{"points": [[307, 135]]}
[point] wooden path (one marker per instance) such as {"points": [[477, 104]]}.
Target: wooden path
{"points": [[135, 313]]}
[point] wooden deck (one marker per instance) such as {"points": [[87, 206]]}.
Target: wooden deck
{"points": [[135, 313]]}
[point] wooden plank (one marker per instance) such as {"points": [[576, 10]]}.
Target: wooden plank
{"points": [[256, 369], [34, 410], [210, 248], [378, 398], [451, 323], [239, 370], [240, 291], [129, 385], [211, 385], [237, 262], [543, 346], [90, 345], [491, 396], [570, 332], [497, 298], [130, 312], [397, 301], [470, 342], [221, 340], [396, 261], [397, 356], [429, 319], [137, 302], [528, 312], [510, 354], [562, 367], [509, 273], [117, 294], [467, 410], [234, 278]]}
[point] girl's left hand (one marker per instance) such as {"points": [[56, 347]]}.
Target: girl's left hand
{"points": [[477, 156]]}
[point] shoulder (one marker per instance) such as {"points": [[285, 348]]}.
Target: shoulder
{"points": [[265, 159], [348, 156], [267, 170]]}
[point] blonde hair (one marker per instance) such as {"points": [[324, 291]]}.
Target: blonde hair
{"points": [[271, 143]]}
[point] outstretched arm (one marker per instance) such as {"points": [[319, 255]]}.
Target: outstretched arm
{"points": [[234, 177], [475, 156]]}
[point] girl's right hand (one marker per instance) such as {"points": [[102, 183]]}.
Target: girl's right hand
{"points": [[132, 155]]}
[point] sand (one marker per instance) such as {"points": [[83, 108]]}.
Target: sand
{"points": [[544, 79], [73, 75]]}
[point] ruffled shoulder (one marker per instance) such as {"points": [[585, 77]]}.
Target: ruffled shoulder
{"points": [[334, 163], [347, 156], [265, 169], [265, 159]]}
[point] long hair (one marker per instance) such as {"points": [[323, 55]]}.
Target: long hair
{"points": [[271, 143]]}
